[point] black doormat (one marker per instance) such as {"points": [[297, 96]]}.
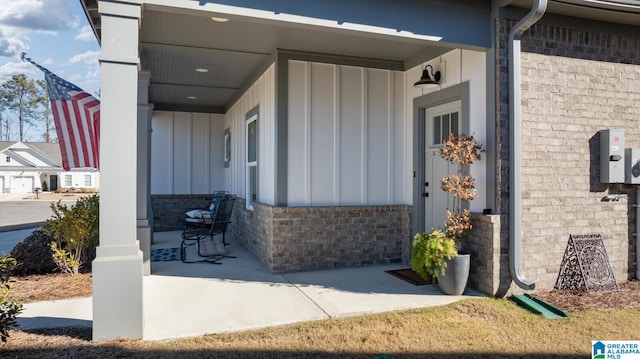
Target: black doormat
{"points": [[408, 275]]}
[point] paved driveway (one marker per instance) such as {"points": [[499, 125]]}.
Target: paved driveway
{"points": [[22, 210], [20, 214]]}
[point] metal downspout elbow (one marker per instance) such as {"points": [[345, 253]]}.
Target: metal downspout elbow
{"points": [[515, 165]]}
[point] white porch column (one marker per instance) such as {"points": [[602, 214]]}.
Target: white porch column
{"points": [[117, 269], [145, 231]]}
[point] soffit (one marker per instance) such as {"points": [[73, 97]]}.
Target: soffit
{"points": [[173, 45], [618, 12]]}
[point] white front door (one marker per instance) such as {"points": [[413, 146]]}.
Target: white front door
{"points": [[440, 121]]}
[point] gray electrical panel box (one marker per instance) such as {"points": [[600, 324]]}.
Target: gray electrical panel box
{"points": [[632, 165], [612, 163]]}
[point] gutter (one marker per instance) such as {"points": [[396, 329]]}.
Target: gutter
{"points": [[515, 157]]}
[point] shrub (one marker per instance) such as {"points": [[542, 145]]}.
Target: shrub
{"points": [[75, 233], [34, 255], [9, 309], [431, 252]]}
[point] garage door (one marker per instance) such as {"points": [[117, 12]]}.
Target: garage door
{"points": [[21, 184]]}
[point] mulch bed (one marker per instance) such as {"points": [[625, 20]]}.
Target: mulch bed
{"points": [[627, 297], [35, 288]]}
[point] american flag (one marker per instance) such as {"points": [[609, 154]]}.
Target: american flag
{"points": [[77, 118]]}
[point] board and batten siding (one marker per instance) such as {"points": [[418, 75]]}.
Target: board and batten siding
{"points": [[261, 95], [349, 141], [459, 66], [187, 153], [346, 140]]}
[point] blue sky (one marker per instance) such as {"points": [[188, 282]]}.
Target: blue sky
{"points": [[54, 33]]}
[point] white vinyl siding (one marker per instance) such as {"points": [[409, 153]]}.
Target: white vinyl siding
{"points": [[187, 153], [347, 127], [260, 95]]}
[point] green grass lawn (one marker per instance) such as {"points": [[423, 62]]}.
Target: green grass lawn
{"points": [[475, 328]]}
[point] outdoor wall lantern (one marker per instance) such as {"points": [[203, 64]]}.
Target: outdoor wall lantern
{"points": [[428, 80]]}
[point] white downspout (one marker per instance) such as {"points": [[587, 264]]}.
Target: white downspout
{"points": [[515, 165]]}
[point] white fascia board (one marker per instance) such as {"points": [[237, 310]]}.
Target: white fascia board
{"points": [[21, 160], [618, 5]]}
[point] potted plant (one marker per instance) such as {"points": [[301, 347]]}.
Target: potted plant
{"points": [[431, 251], [450, 267]]}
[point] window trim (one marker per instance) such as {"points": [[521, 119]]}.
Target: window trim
{"points": [[227, 147], [252, 116]]}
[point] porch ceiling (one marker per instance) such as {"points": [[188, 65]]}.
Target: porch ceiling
{"points": [[173, 45]]}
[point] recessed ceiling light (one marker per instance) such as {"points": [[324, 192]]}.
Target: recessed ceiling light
{"points": [[191, 97], [201, 69], [219, 19]]}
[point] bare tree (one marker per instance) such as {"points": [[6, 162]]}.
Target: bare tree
{"points": [[20, 96], [5, 121], [45, 111]]}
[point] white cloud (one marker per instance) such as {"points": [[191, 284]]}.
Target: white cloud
{"points": [[87, 58], [12, 68], [48, 62], [85, 34], [38, 15], [11, 46]]}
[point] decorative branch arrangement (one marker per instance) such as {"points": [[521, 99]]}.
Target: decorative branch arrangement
{"points": [[462, 151]]}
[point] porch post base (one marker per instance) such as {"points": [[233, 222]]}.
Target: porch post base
{"points": [[117, 293], [145, 237]]}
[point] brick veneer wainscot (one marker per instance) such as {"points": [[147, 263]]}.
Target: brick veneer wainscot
{"points": [[289, 239]]}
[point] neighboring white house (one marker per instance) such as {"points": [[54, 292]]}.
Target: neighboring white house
{"points": [[25, 166]]}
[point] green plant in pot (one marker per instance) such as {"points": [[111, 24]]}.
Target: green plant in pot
{"points": [[435, 254], [431, 252]]}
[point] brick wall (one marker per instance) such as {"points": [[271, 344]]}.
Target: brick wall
{"points": [[168, 210], [253, 229], [489, 270], [310, 238], [574, 83]]}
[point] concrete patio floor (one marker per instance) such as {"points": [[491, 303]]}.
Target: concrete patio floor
{"points": [[185, 300]]}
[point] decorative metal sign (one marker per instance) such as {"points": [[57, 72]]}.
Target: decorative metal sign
{"points": [[586, 264]]}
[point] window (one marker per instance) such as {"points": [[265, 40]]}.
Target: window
{"points": [[252, 161], [8, 159], [227, 147], [87, 180], [443, 125], [67, 180]]}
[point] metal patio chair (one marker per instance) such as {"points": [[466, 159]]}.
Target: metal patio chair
{"points": [[203, 237], [202, 217]]}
